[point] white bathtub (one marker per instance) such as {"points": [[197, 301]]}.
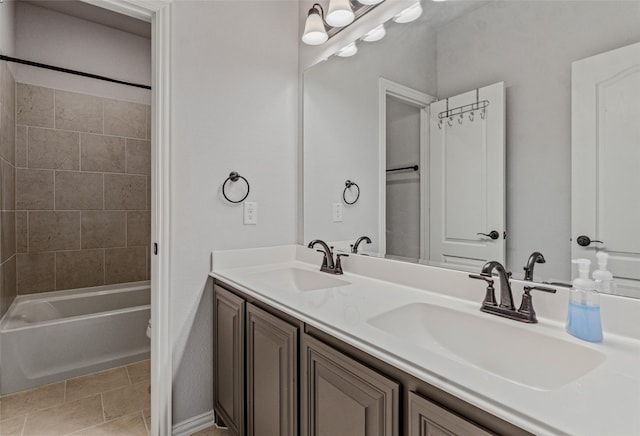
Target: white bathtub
{"points": [[54, 336]]}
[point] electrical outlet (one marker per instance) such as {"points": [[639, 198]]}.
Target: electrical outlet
{"points": [[337, 212], [250, 212]]}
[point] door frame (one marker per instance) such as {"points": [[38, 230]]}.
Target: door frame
{"points": [[158, 13], [420, 100]]}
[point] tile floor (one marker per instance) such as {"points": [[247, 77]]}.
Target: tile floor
{"points": [[112, 402]]}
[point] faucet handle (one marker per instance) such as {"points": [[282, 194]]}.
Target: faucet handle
{"points": [[490, 296], [526, 307], [528, 289], [339, 262], [486, 277]]}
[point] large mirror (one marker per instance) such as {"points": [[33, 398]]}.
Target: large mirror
{"points": [[406, 128]]}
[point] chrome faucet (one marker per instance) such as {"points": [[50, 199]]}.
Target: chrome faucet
{"points": [[506, 309], [536, 257], [354, 247], [328, 264]]}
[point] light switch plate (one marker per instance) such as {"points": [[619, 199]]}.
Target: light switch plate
{"points": [[337, 212], [250, 213]]}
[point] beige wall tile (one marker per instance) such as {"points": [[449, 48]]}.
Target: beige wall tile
{"points": [[127, 400], [7, 285], [32, 400], [146, 413], [50, 231], [103, 229], [138, 156], [79, 269], [102, 153], [125, 192], [7, 235], [13, 426], [122, 118], [96, 383], [130, 425], [34, 189], [35, 272], [66, 418], [138, 228], [139, 371], [8, 186], [78, 112], [148, 193], [53, 149], [22, 236], [124, 265], [8, 87], [78, 191], [21, 146], [34, 105], [8, 136]]}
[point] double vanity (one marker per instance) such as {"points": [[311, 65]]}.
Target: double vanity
{"points": [[396, 348]]}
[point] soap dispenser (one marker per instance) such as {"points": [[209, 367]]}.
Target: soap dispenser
{"points": [[603, 279], [583, 319]]}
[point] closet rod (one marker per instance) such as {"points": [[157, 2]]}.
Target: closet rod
{"points": [[68, 71]]}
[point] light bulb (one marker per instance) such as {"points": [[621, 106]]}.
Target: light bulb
{"points": [[348, 50], [314, 30], [410, 14], [375, 34], [340, 13]]}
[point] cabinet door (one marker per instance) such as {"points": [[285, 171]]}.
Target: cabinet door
{"points": [[341, 397], [428, 419], [228, 359], [272, 375]]}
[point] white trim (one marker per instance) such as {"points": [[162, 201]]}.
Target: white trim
{"points": [[194, 424], [415, 98], [158, 12]]}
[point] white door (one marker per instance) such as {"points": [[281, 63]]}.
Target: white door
{"points": [[605, 147], [467, 178]]}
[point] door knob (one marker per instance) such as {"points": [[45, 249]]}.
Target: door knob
{"points": [[585, 241], [493, 234]]}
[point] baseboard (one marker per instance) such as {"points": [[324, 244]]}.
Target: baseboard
{"points": [[194, 424]]}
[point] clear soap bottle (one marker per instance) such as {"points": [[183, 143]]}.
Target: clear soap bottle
{"points": [[603, 278], [583, 319]]}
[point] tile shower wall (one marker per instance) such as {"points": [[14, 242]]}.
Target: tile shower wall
{"points": [[83, 166], [7, 189]]}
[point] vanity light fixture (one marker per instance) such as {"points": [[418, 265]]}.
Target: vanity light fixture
{"points": [[315, 32], [339, 13], [370, 2], [410, 14], [375, 34], [348, 50]]}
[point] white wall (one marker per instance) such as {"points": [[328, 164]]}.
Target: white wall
{"points": [[7, 16], [531, 45], [57, 39], [341, 128], [235, 107]]}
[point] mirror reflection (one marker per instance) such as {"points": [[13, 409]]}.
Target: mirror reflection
{"points": [[443, 180]]}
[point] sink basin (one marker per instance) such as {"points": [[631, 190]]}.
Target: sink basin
{"points": [[296, 280], [509, 351]]}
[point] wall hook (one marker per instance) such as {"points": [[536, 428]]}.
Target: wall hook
{"points": [[450, 121], [471, 116], [460, 118]]}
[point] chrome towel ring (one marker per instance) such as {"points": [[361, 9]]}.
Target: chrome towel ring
{"points": [[234, 177], [347, 185]]}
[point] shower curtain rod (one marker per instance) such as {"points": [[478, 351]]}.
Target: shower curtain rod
{"points": [[68, 71]]}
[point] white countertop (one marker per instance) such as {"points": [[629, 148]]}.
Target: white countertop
{"points": [[605, 401]]}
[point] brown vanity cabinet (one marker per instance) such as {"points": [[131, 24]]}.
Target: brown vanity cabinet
{"points": [[228, 359], [341, 397], [275, 375], [272, 374], [429, 419]]}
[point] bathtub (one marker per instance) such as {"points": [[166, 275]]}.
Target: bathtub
{"points": [[53, 336]]}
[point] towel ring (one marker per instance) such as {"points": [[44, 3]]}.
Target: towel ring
{"points": [[347, 185], [234, 177]]}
